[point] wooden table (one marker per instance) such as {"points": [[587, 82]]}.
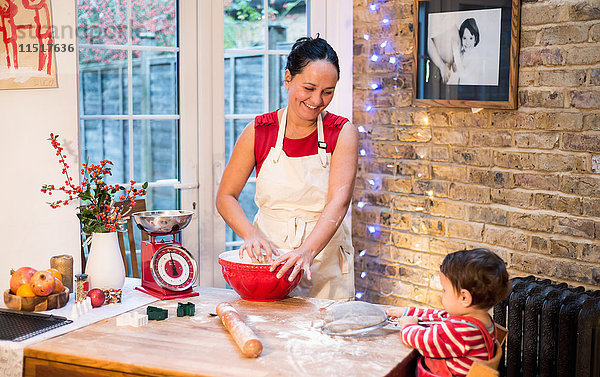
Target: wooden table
{"points": [[200, 345]]}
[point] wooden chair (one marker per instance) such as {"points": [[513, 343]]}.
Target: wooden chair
{"points": [[134, 271]]}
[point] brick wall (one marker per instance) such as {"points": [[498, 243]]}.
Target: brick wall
{"points": [[524, 183]]}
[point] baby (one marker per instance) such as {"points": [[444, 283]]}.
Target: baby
{"points": [[473, 281]]}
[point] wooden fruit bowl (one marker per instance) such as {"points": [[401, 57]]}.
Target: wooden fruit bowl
{"points": [[37, 303]]}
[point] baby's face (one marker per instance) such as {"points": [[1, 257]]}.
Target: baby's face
{"points": [[450, 298], [468, 40]]}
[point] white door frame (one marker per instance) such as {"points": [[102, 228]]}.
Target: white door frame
{"points": [[332, 19]]}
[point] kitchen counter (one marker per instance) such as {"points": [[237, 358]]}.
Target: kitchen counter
{"points": [[201, 346]]}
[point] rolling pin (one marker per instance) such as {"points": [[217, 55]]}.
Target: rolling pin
{"points": [[245, 338]]}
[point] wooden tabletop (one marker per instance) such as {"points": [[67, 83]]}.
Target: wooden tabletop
{"points": [[201, 346]]}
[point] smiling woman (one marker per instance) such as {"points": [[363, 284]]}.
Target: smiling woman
{"points": [[306, 161]]}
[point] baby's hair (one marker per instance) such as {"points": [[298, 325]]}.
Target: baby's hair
{"points": [[479, 271], [470, 24], [306, 50]]}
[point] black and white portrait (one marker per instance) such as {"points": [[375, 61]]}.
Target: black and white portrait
{"points": [[464, 46]]}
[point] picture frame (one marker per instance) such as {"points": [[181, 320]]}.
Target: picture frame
{"points": [[466, 53]]}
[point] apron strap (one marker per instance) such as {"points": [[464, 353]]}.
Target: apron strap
{"points": [[322, 145], [280, 135]]}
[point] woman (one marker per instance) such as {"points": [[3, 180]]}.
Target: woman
{"points": [[306, 161]]}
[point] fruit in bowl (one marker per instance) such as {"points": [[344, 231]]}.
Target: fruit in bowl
{"points": [[32, 290], [254, 281]]}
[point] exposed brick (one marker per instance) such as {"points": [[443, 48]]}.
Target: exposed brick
{"points": [[569, 121], [537, 140], [413, 134], [410, 241], [449, 172], [595, 33], [444, 246], [591, 121], [559, 203], [491, 178], [401, 220], [383, 133], [500, 236], [563, 34], [464, 230], [584, 11], [542, 13], [506, 120], [515, 160], [487, 214], [565, 249], [464, 119], [541, 56], [428, 225], [585, 99], [560, 162], [541, 98], [440, 154], [539, 244], [562, 78], [431, 188], [513, 198], [491, 138], [470, 193], [387, 150], [401, 185], [591, 252], [401, 117], [470, 156], [439, 119], [581, 142], [416, 169], [450, 136], [594, 77], [580, 185], [528, 38], [576, 55], [409, 203], [528, 78], [536, 181], [446, 209], [531, 221], [575, 227]]}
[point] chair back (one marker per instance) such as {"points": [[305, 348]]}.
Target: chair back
{"points": [[489, 368], [131, 254]]}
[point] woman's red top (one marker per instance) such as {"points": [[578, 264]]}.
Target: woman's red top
{"points": [[265, 137]]}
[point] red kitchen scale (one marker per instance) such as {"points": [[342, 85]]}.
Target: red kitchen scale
{"points": [[168, 269]]}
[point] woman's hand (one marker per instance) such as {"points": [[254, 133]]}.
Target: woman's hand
{"points": [[254, 245], [298, 259]]}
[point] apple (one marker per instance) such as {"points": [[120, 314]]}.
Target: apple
{"points": [[43, 283], [97, 296], [19, 277]]}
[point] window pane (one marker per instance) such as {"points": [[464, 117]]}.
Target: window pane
{"points": [[154, 83], [278, 95], [155, 150], [233, 130], [106, 140], [102, 21], [103, 81], [244, 24], [287, 22], [249, 89], [154, 23], [162, 198]]}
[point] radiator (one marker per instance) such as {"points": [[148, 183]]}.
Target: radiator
{"points": [[553, 330]]}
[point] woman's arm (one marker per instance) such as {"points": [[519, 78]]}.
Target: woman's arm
{"points": [[342, 174], [234, 179]]}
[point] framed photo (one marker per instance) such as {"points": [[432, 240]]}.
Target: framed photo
{"points": [[466, 53]]}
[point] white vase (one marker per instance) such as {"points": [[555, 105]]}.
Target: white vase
{"points": [[104, 267]]}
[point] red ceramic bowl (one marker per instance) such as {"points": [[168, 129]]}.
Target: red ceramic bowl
{"points": [[253, 281]]}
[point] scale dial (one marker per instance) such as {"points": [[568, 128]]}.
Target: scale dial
{"points": [[173, 268]]}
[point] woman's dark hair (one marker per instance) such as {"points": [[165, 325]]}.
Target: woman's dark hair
{"points": [[479, 271], [470, 24], [306, 50]]}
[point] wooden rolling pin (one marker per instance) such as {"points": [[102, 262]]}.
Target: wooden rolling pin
{"points": [[245, 338]]}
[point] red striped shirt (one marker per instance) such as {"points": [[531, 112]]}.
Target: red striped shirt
{"points": [[266, 127], [454, 340]]}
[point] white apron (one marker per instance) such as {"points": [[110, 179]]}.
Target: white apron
{"points": [[291, 193]]}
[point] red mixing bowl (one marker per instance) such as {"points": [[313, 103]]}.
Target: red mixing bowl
{"points": [[253, 281]]}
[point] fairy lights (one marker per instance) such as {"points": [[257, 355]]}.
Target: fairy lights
{"points": [[374, 57], [360, 204], [363, 152], [362, 129]]}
